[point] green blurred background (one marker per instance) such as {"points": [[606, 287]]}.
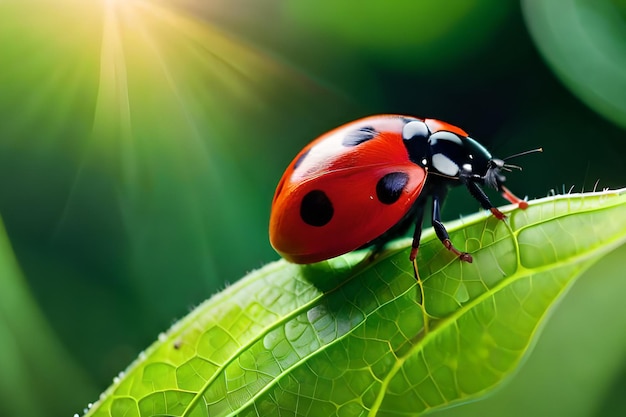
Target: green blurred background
{"points": [[141, 141]]}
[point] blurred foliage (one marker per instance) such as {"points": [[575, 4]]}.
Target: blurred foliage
{"points": [[583, 41], [141, 140]]}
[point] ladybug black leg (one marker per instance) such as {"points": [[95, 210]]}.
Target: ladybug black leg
{"points": [[417, 234], [482, 198], [442, 233]]}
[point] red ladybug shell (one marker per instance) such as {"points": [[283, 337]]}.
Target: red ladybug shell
{"points": [[347, 188]]}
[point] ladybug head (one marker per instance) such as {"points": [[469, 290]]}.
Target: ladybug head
{"points": [[494, 177], [450, 155], [462, 157]]}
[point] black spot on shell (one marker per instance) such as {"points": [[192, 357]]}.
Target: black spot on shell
{"points": [[389, 188], [357, 137], [316, 208], [301, 158]]}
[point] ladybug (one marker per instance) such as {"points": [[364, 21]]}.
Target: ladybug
{"points": [[366, 182]]}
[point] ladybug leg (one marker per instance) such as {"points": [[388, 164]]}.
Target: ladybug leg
{"points": [[417, 234], [484, 201], [507, 194], [442, 233]]}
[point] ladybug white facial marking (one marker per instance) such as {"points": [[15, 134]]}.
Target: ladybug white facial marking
{"points": [[444, 136], [415, 129], [389, 188], [357, 137], [445, 165], [316, 208]]}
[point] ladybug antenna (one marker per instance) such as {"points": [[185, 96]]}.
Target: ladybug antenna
{"points": [[523, 153], [509, 167]]}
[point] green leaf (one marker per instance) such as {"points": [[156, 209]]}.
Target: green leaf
{"points": [[350, 337]]}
